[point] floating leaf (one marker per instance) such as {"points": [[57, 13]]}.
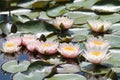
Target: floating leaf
{"points": [[115, 28], [82, 5], [94, 69], [14, 66], [34, 27], [79, 38], [80, 31], [5, 27], [35, 4], [81, 17], [114, 59], [108, 6], [68, 68], [113, 18], [58, 11], [44, 16], [43, 67], [37, 75], [21, 18], [40, 4], [37, 70], [114, 40], [67, 77]]}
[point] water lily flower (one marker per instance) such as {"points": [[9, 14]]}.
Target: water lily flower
{"points": [[99, 26], [18, 40], [10, 47], [69, 50], [65, 22], [97, 55], [47, 47], [27, 39], [33, 45], [97, 42]]}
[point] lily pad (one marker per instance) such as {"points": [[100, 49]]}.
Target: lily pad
{"points": [[43, 67], [67, 77], [108, 6], [81, 17], [82, 5], [34, 27], [4, 28], [114, 40], [114, 60], [58, 11], [13, 66], [68, 68], [113, 18], [94, 69], [116, 29], [79, 38], [37, 75]]}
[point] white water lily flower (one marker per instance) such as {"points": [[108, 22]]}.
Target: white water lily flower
{"points": [[69, 50], [99, 26], [10, 47], [27, 38], [18, 40], [64, 21], [97, 42], [47, 47], [97, 55]]}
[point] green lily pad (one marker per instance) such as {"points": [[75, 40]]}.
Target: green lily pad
{"points": [[37, 70], [26, 17], [67, 77], [114, 60], [57, 11], [79, 38], [114, 40], [94, 69], [108, 6], [37, 75], [34, 27], [82, 5], [113, 18], [116, 29], [4, 29], [13, 66], [80, 31], [34, 4], [21, 18], [43, 67], [81, 17], [68, 68]]}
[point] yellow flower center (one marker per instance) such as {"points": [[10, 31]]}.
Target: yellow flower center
{"points": [[10, 45], [96, 53], [69, 48], [47, 45], [98, 43]]}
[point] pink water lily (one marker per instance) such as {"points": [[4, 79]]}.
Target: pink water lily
{"points": [[69, 50], [17, 40], [10, 47], [27, 39], [47, 47], [97, 50], [97, 56], [99, 26], [33, 45], [64, 21], [97, 42]]}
